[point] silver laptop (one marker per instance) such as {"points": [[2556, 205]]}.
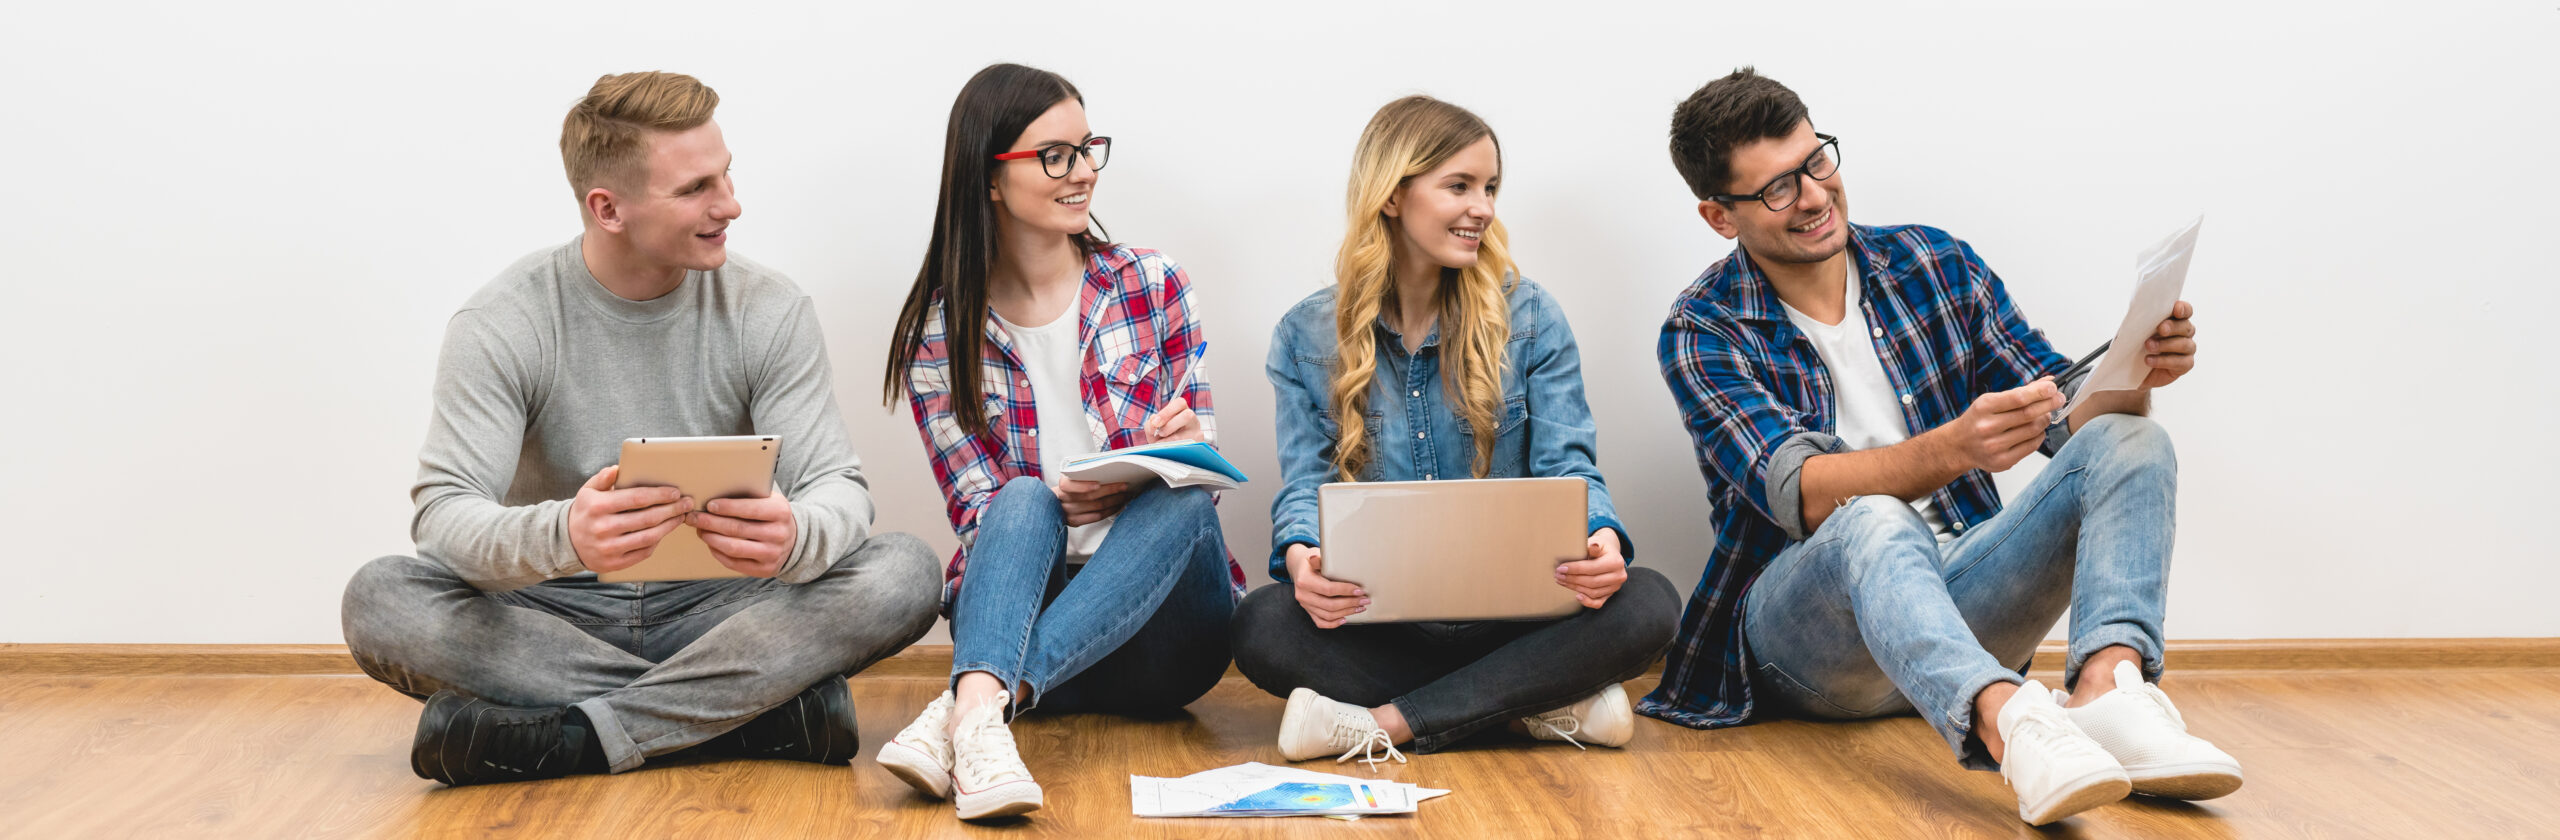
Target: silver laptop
{"points": [[1473, 550]]}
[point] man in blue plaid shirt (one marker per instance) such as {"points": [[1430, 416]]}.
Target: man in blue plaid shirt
{"points": [[1850, 390]]}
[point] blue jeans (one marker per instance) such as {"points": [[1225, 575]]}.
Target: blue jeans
{"points": [[1142, 627], [1872, 617]]}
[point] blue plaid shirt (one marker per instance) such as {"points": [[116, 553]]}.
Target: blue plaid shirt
{"points": [[1757, 401]]}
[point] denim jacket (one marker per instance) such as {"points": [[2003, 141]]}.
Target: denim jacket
{"points": [[1546, 428]]}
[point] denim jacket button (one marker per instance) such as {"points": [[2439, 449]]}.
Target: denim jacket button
{"points": [[1422, 436]]}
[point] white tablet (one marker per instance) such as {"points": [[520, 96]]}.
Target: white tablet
{"points": [[705, 468]]}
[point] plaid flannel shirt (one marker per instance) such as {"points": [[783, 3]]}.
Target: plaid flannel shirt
{"points": [[1751, 388], [1140, 341]]}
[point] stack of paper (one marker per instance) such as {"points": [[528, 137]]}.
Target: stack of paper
{"points": [[1179, 464], [1261, 790]]}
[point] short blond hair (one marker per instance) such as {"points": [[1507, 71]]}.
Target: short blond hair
{"points": [[605, 138]]}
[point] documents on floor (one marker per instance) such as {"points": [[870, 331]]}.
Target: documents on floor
{"points": [[1262, 790]]}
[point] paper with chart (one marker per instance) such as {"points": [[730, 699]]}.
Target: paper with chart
{"points": [[1261, 790], [2160, 276]]}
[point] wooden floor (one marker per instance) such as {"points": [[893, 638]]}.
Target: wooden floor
{"points": [[2425, 754]]}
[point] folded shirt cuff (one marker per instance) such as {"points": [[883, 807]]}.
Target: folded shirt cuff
{"points": [[1626, 544], [1785, 485], [1280, 552]]}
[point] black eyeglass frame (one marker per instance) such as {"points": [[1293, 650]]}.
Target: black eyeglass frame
{"points": [[1830, 147], [1080, 150]]}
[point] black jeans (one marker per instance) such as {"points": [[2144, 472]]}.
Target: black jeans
{"points": [[1450, 680]]}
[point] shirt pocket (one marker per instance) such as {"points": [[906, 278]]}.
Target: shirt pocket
{"points": [[1510, 440], [1331, 425], [1131, 382]]}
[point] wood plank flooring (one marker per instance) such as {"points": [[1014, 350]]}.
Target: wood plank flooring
{"points": [[2365, 753]]}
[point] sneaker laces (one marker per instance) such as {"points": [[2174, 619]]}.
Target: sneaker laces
{"points": [[992, 756], [514, 735], [2057, 735], [2159, 703], [928, 726], [1549, 722], [1355, 729]]}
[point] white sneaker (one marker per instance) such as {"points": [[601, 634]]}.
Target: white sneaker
{"points": [[1605, 718], [2138, 725], [1314, 726], [987, 772], [2055, 769], [921, 754]]}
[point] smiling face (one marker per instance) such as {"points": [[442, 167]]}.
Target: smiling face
{"points": [[1027, 197], [1441, 215], [676, 214], [1813, 229]]}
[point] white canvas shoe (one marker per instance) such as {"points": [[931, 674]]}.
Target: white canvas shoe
{"points": [[1314, 726], [987, 772], [2053, 767], [921, 753], [2138, 725], [1604, 719]]}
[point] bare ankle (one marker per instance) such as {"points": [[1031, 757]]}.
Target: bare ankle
{"points": [[2098, 673], [1986, 717], [1391, 719]]}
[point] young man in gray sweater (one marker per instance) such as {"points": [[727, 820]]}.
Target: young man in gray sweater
{"points": [[644, 326]]}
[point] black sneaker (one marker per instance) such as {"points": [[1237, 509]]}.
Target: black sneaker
{"points": [[464, 740], [815, 727]]}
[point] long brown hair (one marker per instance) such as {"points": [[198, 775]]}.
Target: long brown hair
{"points": [[1407, 138], [991, 113]]}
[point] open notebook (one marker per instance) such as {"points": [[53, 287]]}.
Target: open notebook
{"points": [[1179, 463]]}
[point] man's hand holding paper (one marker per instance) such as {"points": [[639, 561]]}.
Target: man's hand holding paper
{"points": [[2156, 344]]}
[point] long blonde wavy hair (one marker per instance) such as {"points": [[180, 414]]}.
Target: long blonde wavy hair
{"points": [[1407, 138]]}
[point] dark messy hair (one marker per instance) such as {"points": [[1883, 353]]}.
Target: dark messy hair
{"points": [[991, 113], [1732, 111]]}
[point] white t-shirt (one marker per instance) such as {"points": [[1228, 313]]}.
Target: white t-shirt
{"points": [[1054, 362], [1868, 412]]}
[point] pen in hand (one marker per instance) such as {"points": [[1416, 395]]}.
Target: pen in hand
{"points": [[2084, 364], [1174, 405]]}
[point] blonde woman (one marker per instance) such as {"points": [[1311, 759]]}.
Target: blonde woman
{"points": [[1425, 338]]}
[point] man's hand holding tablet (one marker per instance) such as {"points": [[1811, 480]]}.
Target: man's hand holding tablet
{"points": [[613, 530], [749, 536]]}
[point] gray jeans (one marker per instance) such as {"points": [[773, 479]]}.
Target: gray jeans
{"points": [[656, 666]]}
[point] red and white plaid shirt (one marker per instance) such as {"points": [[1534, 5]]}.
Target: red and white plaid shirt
{"points": [[1139, 343]]}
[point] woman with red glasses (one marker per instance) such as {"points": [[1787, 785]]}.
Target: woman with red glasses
{"points": [[1028, 340]]}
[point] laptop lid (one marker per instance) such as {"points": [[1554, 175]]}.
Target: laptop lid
{"points": [[1469, 550]]}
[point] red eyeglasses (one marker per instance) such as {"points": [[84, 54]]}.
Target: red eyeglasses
{"points": [[1059, 159]]}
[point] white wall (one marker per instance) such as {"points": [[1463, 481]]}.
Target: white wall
{"points": [[232, 233]]}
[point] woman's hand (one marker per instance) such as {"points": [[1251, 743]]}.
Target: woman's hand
{"points": [[1329, 602], [1595, 579], [1174, 422], [1086, 502]]}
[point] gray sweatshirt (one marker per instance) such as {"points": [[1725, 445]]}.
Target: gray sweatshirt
{"points": [[545, 372]]}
